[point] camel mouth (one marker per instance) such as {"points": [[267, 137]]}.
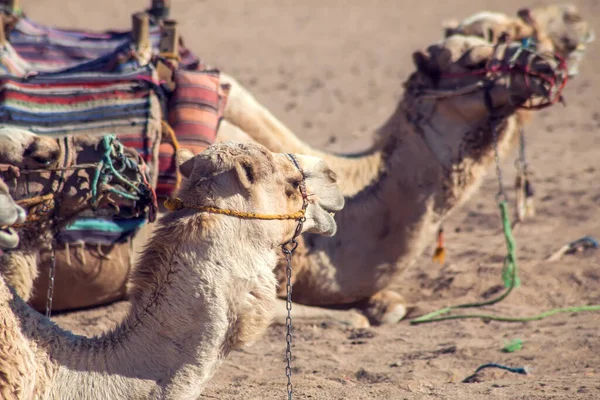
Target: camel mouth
{"points": [[9, 238], [126, 202], [574, 60]]}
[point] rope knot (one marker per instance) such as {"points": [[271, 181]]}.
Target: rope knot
{"points": [[173, 204]]}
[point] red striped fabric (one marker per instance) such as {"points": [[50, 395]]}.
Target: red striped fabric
{"points": [[195, 110]]}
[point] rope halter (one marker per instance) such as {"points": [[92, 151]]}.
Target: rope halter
{"points": [[175, 204], [108, 171], [521, 62]]}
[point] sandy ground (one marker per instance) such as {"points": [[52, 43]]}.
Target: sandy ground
{"points": [[333, 70]]}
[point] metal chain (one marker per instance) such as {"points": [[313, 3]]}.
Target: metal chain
{"points": [[51, 273], [501, 195], [522, 159], [288, 249]]}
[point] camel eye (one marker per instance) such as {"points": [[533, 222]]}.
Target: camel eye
{"points": [[42, 161], [36, 157], [479, 66], [291, 189]]}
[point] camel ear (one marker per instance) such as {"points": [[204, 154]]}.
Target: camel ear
{"points": [[525, 15], [450, 27], [185, 162], [572, 17], [245, 172], [442, 59], [421, 61]]}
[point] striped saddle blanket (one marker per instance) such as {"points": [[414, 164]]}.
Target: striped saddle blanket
{"points": [[46, 49], [130, 105], [88, 83]]}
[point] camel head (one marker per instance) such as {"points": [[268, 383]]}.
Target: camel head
{"points": [[464, 84], [73, 174], [566, 29], [10, 214], [475, 80], [247, 177], [558, 28]]}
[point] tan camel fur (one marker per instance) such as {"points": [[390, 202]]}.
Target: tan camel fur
{"points": [[558, 28], [203, 286], [10, 214], [21, 152], [433, 154]]}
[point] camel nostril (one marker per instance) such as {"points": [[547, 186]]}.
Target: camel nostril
{"points": [[21, 215], [544, 66]]}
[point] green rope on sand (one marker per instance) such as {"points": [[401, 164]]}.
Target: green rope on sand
{"points": [[509, 272], [519, 370], [512, 346], [511, 280]]}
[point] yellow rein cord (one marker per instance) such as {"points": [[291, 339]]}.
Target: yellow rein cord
{"points": [[41, 205], [174, 203], [35, 200]]}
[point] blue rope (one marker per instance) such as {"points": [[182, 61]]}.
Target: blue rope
{"points": [[106, 171], [521, 371]]}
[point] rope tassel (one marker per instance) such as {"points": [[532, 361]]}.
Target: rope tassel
{"points": [[439, 255]]}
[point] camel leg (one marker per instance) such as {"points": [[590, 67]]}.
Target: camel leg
{"points": [[20, 270], [384, 307], [244, 111], [310, 314]]}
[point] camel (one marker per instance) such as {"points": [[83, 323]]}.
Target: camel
{"points": [[432, 156], [54, 179], [558, 28], [204, 284], [10, 213]]}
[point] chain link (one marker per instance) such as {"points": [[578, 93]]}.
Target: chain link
{"points": [[522, 160], [501, 195], [51, 273]]}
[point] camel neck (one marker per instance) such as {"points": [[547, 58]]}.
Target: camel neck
{"points": [[393, 215], [175, 336]]}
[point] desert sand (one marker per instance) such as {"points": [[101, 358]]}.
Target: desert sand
{"points": [[333, 71]]}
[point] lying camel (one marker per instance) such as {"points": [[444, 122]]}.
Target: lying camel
{"points": [[434, 153], [113, 288], [203, 286], [557, 28], [10, 213], [54, 179]]}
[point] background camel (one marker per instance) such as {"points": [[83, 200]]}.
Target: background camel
{"points": [[55, 179], [10, 213], [203, 287], [434, 152], [558, 27]]}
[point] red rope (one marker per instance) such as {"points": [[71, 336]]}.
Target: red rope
{"points": [[559, 76]]}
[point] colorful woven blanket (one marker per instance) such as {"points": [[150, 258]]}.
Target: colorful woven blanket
{"points": [[59, 82], [48, 49], [127, 104]]}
